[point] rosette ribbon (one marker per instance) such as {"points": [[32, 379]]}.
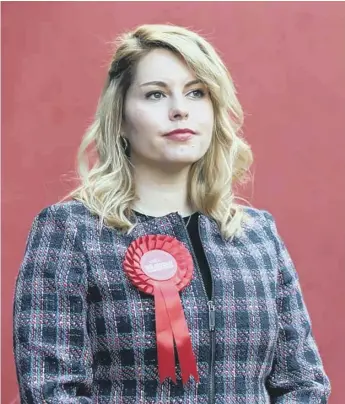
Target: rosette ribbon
{"points": [[161, 266]]}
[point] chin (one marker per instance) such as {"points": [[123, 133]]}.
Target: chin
{"points": [[179, 163], [180, 158]]}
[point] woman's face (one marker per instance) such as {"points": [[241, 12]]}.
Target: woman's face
{"points": [[174, 101]]}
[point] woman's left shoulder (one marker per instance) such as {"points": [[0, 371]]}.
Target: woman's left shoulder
{"points": [[256, 217], [261, 226]]}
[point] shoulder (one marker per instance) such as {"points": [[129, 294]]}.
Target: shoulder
{"points": [[260, 222], [64, 210], [258, 217], [66, 214]]}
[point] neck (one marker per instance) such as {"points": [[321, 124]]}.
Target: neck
{"points": [[160, 193]]}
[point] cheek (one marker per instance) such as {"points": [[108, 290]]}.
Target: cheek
{"points": [[141, 130], [207, 125], [205, 113], [141, 120], [206, 120]]}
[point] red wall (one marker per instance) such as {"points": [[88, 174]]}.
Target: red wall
{"points": [[288, 61]]}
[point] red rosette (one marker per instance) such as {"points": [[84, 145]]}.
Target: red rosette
{"points": [[161, 266]]}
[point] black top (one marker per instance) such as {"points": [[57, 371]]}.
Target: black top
{"points": [[193, 231]]}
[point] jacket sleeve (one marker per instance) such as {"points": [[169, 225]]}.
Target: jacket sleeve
{"points": [[297, 374], [51, 346]]}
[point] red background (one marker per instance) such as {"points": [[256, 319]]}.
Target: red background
{"points": [[288, 62]]}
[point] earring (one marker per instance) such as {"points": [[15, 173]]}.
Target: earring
{"points": [[125, 143]]}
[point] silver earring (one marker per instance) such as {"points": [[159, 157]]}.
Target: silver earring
{"points": [[125, 141]]}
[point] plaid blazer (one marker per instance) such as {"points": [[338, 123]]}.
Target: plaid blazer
{"points": [[84, 334]]}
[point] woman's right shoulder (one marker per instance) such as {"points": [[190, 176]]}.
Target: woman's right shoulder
{"points": [[65, 212]]}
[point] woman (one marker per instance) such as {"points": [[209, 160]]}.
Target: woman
{"points": [[152, 285]]}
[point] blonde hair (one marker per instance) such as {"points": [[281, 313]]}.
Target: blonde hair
{"points": [[107, 187]]}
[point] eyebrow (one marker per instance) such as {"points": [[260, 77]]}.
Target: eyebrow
{"points": [[165, 85]]}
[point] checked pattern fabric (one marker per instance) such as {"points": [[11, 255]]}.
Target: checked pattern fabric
{"points": [[84, 334]]}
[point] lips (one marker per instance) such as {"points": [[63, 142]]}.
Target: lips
{"points": [[180, 131]]}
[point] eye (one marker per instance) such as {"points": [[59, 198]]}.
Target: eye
{"points": [[155, 93], [198, 93]]}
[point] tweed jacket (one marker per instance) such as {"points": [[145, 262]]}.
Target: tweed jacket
{"points": [[84, 334]]}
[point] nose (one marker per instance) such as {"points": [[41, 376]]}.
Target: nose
{"points": [[178, 111]]}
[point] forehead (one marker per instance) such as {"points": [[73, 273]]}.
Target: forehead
{"points": [[163, 65]]}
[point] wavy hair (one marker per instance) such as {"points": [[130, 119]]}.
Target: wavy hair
{"points": [[107, 186]]}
